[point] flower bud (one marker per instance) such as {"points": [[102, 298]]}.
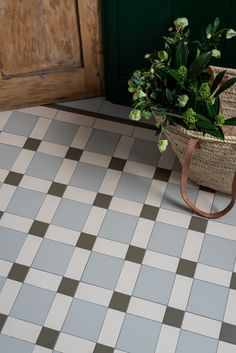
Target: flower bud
{"points": [[135, 114], [208, 35], [147, 56], [162, 145], [220, 120], [162, 55], [182, 100], [181, 23], [189, 117], [230, 33], [216, 53]]}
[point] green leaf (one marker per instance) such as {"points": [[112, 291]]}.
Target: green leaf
{"points": [[217, 80], [216, 133], [174, 73], [209, 29], [169, 96], [199, 64], [231, 121], [225, 86], [204, 123], [181, 54], [217, 105], [211, 111], [158, 110], [216, 24]]}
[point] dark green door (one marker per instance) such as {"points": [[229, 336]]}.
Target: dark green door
{"points": [[135, 27]]}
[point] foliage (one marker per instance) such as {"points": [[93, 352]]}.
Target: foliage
{"points": [[179, 87]]}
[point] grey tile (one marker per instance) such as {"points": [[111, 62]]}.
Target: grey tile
{"points": [[149, 212], [2, 282], [144, 151], [154, 284], [118, 226], [13, 178], [162, 174], [86, 241], [84, 319], [119, 301], [116, 110], [13, 345], [133, 187], [102, 200], [71, 214], [104, 142], [47, 337], [26, 306], [138, 335], [18, 272], [74, 154], [218, 252], [53, 257], [208, 300], [32, 144], [233, 281], [173, 317], [3, 319], [44, 166], [88, 176], [228, 333], [198, 224], [11, 243], [102, 270], [101, 348], [117, 164], [57, 189], [90, 104], [186, 268], [135, 254], [61, 133], [167, 239], [219, 203], [194, 343], [26, 203], [8, 156], [68, 286], [39, 228], [20, 124]]}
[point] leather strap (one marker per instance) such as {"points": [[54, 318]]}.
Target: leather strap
{"points": [[184, 179]]}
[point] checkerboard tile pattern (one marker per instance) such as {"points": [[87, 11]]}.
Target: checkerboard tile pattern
{"points": [[98, 252]]}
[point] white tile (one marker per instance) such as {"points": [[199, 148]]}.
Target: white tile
{"points": [[180, 292], [40, 349], [225, 347], [40, 128], [6, 193], [156, 193], [29, 250], [11, 139], [5, 267], [3, 174], [35, 184], [126, 206], [168, 339], [111, 327], [110, 182], [119, 128], [95, 158], [163, 261], [145, 134], [147, 309], [43, 279], [4, 116], [65, 171], [45, 112], [230, 311], [213, 275], [58, 311], [167, 159], [81, 138], [109, 247], [94, 294], [71, 344], [75, 118], [23, 161], [201, 325], [124, 147], [8, 295], [53, 149], [140, 169], [119, 351], [128, 277], [174, 218], [63, 235], [192, 245], [48, 208], [205, 200], [16, 222], [22, 330], [94, 220], [80, 195], [221, 230], [77, 263], [142, 233]]}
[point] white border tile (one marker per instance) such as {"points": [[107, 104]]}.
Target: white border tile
{"points": [[40, 128], [58, 311], [63, 235], [142, 233], [192, 245], [180, 292], [109, 247], [53, 149], [8, 295], [213, 275], [48, 208], [77, 263], [4, 116], [156, 193], [71, 344], [22, 330], [124, 147], [221, 230], [110, 182], [94, 294], [128, 277], [140, 169], [230, 312], [6, 193], [80, 195], [65, 171], [94, 220], [11, 139], [5, 267], [126, 206], [81, 138], [75, 118], [113, 126], [95, 159], [29, 250], [146, 309], [175, 218], [43, 279], [40, 111], [111, 327], [201, 325], [162, 261], [23, 161], [168, 339], [36, 184], [16, 222]]}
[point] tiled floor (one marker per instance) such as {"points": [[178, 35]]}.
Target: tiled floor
{"points": [[98, 253]]}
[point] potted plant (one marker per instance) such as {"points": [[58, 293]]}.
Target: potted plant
{"points": [[183, 93]]}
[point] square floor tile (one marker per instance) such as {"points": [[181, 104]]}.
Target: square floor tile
{"points": [[219, 203], [162, 174], [13, 345], [119, 301], [32, 144], [102, 142], [39, 228], [117, 164], [91, 104], [47, 338], [57, 189], [71, 214], [218, 252], [44, 166], [18, 272], [167, 239], [13, 178], [173, 201], [53, 257], [86, 241], [194, 343], [173, 317], [3, 319], [68, 286], [74, 154], [102, 270], [228, 333], [144, 151], [198, 224], [154, 284], [30, 207], [88, 176], [102, 200], [149, 212], [61, 133], [133, 187], [20, 124], [233, 281], [8, 156], [135, 254], [208, 300], [138, 335], [186, 268], [84, 319], [26, 306], [11, 243], [118, 226], [101, 348]]}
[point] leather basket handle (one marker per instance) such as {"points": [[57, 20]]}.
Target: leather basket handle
{"points": [[184, 179]]}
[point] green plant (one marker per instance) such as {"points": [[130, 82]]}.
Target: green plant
{"points": [[179, 87]]}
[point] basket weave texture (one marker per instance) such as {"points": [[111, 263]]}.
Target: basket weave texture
{"points": [[214, 162]]}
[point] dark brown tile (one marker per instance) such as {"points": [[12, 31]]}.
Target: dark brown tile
{"points": [[102, 200], [47, 337], [117, 164], [1, 214], [74, 153], [119, 301], [233, 281], [173, 317], [149, 212], [135, 254], [32, 144], [68, 286], [198, 224], [100, 348], [57, 189], [18, 272], [86, 241], [3, 319], [162, 174], [13, 178], [39, 228], [186, 268], [228, 333]]}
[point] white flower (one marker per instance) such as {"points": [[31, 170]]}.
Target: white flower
{"points": [[230, 33], [163, 55], [181, 23], [216, 53], [147, 56], [135, 114], [209, 36], [162, 145], [182, 100]]}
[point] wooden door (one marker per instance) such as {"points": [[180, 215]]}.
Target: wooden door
{"points": [[50, 50]]}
